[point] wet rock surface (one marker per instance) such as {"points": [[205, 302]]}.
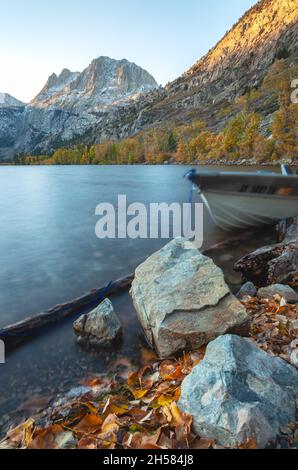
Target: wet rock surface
{"points": [[182, 300], [99, 328]]}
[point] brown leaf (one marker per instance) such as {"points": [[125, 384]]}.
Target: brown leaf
{"points": [[89, 442], [250, 444], [108, 435], [202, 444], [181, 421], [147, 356], [89, 424], [143, 440], [45, 439]]}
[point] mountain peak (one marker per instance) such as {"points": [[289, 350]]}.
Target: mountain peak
{"points": [[54, 84], [105, 82], [7, 101]]}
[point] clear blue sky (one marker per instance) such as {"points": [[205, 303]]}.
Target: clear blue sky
{"points": [[38, 37]]}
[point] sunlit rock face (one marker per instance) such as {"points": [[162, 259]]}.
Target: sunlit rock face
{"points": [[237, 64], [106, 82]]}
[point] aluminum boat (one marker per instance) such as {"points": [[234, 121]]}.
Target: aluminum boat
{"points": [[239, 200]]}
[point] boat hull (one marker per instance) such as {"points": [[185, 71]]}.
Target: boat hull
{"points": [[233, 211], [239, 200]]}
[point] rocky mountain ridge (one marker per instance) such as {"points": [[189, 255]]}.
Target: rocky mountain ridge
{"points": [[238, 63], [8, 101], [70, 104], [105, 82]]}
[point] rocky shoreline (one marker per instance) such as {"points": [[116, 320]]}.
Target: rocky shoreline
{"points": [[221, 371]]}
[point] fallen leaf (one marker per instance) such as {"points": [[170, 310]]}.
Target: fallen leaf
{"points": [[21, 434], [250, 444], [89, 424], [143, 440], [45, 439], [164, 400], [202, 443], [108, 434], [89, 442]]}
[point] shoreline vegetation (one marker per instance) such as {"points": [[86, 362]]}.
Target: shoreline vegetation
{"points": [[246, 134]]}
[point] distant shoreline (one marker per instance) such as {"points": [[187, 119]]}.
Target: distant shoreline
{"points": [[205, 163]]}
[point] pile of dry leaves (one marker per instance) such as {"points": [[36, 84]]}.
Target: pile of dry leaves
{"points": [[138, 409], [131, 410], [274, 326]]}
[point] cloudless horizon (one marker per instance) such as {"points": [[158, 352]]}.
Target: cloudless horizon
{"points": [[165, 37]]}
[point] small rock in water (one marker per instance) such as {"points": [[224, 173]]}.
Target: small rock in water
{"points": [[281, 289], [99, 328], [247, 289], [239, 393], [183, 301]]}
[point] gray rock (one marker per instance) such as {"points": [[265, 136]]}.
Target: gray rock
{"points": [[99, 328], [281, 289], [182, 300], [294, 358], [239, 392], [247, 289]]}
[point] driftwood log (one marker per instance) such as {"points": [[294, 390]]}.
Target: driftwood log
{"points": [[17, 333], [274, 264]]}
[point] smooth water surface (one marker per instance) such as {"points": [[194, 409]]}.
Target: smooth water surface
{"points": [[49, 254]]}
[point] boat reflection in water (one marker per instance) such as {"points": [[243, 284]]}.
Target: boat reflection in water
{"points": [[238, 200]]}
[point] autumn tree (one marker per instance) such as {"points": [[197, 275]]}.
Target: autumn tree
{"points": [[285, 131]]}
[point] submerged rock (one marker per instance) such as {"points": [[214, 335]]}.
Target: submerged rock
{"points": [[182, 300], [239, 392], [281, 289], [99, 328]]}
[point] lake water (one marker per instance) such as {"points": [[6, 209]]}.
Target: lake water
{"points": [[49, 254]]}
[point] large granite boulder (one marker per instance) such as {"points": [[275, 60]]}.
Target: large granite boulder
{"points": [[99, 328], [182, 300], [238, 393]]}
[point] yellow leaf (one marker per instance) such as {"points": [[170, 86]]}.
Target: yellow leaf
{"points": [[138, 393], [90, 407], [119, 410], [22, 432], [163, 400]]}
